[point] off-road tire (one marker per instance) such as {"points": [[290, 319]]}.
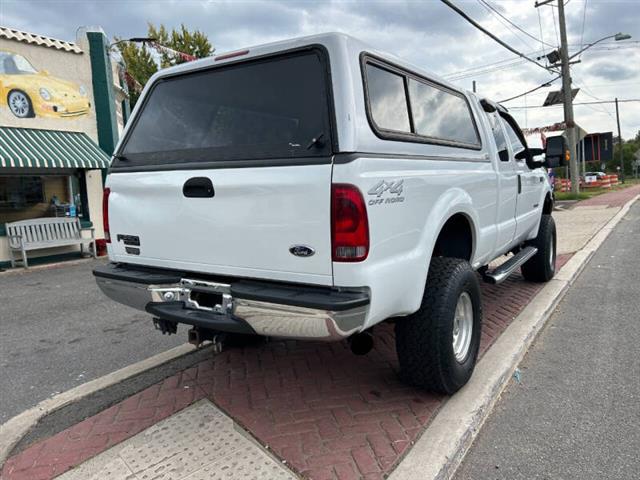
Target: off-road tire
{"points": [[542, 266], [424, 339]]}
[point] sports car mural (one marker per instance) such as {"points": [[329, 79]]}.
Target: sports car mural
{"points": [[28, 92]]}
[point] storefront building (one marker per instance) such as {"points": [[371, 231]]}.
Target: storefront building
{"points": [[62, 108]]}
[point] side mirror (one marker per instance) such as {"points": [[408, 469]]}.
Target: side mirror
{"points": [[536, 162], [556, 152], [536, 152]]}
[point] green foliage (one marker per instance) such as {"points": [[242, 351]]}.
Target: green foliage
{"points": [[141, 60], [193, 43], [629, 148], [572, 196], [139, 64]]}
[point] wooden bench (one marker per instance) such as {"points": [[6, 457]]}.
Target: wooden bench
{"points": [[46, 232]]}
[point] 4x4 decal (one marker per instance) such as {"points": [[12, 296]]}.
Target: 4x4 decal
{"points": [[383, 186]]}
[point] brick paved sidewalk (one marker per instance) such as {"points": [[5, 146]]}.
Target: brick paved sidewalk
{"points": [[613, 199], [326, 412]]}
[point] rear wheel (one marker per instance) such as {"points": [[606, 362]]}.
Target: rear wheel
{"points": [[438, 345], [542, 266]]}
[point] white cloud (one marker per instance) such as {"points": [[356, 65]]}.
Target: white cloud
{"points": [[425, 33]]}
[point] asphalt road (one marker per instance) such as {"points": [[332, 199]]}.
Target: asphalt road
{"points": [[57, 331], [576, 412]]}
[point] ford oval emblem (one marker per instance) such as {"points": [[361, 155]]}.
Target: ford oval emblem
{"points": [[302, 251]]}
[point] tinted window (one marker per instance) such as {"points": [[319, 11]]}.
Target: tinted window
{"points": [[498, 133], [441, 114], [387, 99], [262, 109]]}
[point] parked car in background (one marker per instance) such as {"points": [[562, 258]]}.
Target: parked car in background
{"points": [[316, 187], [590, 177], [28, 92]]}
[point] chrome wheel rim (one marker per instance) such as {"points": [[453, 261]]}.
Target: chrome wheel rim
{"points": [[19, 104], [552, 253], [462, 327]]}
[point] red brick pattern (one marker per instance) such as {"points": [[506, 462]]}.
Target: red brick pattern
{"points": [[612, 199], [55, 455], [328, 413]]}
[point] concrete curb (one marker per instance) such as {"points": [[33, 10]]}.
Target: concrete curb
{"points": [[17, 427], [443, 445]]}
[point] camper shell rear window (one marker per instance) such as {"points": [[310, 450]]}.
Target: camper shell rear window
{"points": [[271, 108]]}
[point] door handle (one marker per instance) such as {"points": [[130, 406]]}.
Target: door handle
{"points": [[519, 183], [198, 187]]}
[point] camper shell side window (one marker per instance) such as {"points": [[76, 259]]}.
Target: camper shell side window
{"points": [[404, 106]]}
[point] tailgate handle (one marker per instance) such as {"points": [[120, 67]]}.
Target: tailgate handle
{"points": [[198, 187]]}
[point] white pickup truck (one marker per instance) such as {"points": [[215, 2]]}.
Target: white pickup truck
{"points": [[316, 187]]}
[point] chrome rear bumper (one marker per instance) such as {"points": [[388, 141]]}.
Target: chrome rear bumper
{"points": [[178, 303]]}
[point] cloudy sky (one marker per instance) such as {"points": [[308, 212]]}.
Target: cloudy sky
{"points": [[426, 33]]}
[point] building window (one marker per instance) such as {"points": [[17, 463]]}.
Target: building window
{"points": [[23, 197]]}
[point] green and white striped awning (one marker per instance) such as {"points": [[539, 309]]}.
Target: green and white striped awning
{"points": [[35, 148]]}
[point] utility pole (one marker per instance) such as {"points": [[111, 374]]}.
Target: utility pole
{"points": [[474, 86], [620, 143], [568, 101]]}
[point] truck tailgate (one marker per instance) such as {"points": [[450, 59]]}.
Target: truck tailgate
{"points": [[246, 228]]}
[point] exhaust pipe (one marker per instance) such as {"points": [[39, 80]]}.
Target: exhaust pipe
{"points": [[361, 343], [193, 336]]}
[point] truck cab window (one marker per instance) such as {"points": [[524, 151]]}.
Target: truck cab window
{"points": [[498, 135], [514, 138]]}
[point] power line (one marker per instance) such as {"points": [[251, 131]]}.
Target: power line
{"points": [[584, 19], [522, 107], [600, 47], [515, 25], [480, 67], [586, 88], [507, 25], [546, 84], [553, 15], [487, 32], [540, 24], [484, 71], [485, 65], [587, 91]]}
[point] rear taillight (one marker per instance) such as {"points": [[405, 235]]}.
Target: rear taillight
{"points": [[105, 214], [349, 224]]}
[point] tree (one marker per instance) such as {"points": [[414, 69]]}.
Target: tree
{"points": [[629, 148], [141, 62], [193, 43], [139, 67]]}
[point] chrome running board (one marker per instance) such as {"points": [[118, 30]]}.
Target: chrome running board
{"points": [[500, 273]]}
